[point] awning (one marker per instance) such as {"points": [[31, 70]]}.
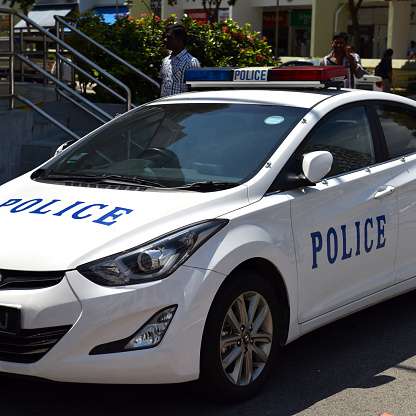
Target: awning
{"points": [[109, 13], [44, 16]]}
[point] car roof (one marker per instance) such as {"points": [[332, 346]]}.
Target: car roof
{"points": [[298, 98]]}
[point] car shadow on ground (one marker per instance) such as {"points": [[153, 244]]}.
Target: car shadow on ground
{"points": [[350, 353]]}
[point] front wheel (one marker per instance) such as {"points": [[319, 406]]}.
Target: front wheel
{"points": [[241, 338]]}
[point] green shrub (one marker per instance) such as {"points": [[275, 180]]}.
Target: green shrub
{"points": [[140, 42]]}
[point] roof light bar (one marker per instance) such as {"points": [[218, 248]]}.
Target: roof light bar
{"points": [[308, 73], [267, 77], [209, 74]]}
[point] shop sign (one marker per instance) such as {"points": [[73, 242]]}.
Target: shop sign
{"points": [[201, 16], [269, 19], [4, 21], [301, 18]]}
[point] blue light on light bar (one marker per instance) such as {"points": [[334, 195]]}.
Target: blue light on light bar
{"points": [[209, 74]]}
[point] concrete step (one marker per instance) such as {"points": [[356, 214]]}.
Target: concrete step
{"points": [[43, 128], [37, 152]]}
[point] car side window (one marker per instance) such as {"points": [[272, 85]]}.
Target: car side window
{"points": [[399, 128], [347, 136]]}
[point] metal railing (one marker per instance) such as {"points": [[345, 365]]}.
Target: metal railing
{"points": [[407, 82], [61, 87]]}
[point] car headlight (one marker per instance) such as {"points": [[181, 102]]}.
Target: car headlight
{"points": [[152, 261]]}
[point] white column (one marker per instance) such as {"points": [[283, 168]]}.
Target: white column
{"points": [[398, 36]]}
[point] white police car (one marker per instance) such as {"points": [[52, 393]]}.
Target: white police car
{"points": [[191, 238]]}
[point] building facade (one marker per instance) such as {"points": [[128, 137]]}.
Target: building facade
{"points": [[305, 27]]}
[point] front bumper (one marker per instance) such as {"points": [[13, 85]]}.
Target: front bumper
{"points": [[97, 315]]}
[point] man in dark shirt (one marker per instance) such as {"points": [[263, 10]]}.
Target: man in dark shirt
{"points": [[387, 70]]}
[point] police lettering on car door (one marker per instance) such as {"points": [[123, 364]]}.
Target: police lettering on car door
{"points": [[337, 246]]}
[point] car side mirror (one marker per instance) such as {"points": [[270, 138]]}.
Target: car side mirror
{"points": [[316, 165]]}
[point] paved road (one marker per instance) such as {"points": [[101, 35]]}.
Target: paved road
{"points": [[363, 365]]}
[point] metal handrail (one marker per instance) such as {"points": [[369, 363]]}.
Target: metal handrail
{"points": [[47, 116], [60, 58], [87, 75], [65, 87], [59, 20], [68, 48], [402, 82]]}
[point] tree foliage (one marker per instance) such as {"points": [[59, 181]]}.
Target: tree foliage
{"points": [[140, 42], [23, 5], [211, 7]]}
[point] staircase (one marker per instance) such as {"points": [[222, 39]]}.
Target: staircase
{"points": [[37, 118], [46, 137]]}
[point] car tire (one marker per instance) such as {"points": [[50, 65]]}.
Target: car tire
{"points": [[241, 339]]}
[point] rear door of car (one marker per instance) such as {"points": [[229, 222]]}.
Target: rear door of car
{"points": [[398, 124]]}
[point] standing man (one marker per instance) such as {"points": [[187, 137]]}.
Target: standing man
{"points": [[173, 68], [342, 54], [387, 70]]}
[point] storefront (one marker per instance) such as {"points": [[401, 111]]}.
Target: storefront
{"points": [[294, 31], [306, 26]]}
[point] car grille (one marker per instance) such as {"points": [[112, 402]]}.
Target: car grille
{"points": [[31, 344], [17, 279]]}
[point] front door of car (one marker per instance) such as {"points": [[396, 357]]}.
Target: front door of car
{"points": [[345, 227]]}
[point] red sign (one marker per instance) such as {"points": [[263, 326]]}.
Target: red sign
{"points": [[198, 15], [201, 17], [269, 19]]}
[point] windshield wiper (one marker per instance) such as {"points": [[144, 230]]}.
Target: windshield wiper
{"points": [[209, 186], [106, 178]]}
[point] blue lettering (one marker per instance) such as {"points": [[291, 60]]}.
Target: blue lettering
{"points": [[334, 237], [10, 202], [39, 210], [316, 246], [107, 219], [345, 255], [357, 227], [236, 74], [368, 221], [264, 74], [77, 216], [115, 213], [332, 232], [58, 214], [26, 205], [380, 233]]}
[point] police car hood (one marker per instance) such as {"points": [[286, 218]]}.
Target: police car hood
{"points": [[49, 227]]}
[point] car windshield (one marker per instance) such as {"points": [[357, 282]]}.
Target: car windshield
{"points": [[178, 145]]}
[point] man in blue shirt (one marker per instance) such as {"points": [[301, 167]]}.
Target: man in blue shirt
{"points": [[174, 66]]}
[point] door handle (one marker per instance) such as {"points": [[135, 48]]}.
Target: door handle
{"points": [[384, 191]]}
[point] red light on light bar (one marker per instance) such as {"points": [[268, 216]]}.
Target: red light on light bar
{"points": [[307, 73]]}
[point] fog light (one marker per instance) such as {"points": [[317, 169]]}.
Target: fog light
{"points": [[153, 331]]}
